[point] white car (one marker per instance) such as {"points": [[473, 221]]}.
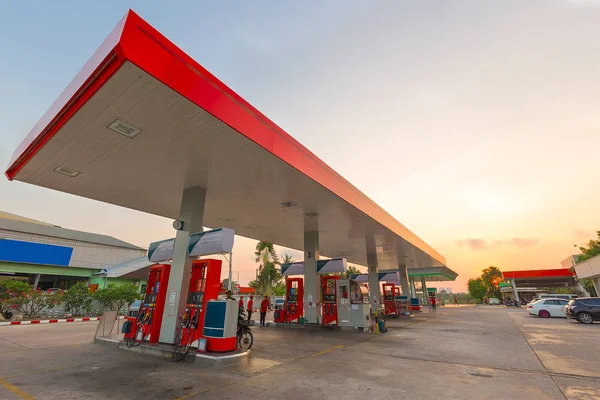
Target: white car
{"points": [[494, 301], [547, 308]]}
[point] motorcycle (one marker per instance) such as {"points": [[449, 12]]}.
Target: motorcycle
{"points": [[245, 337]]}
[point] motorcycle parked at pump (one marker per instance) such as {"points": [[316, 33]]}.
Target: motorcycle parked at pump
{"points": [[245, 337]]}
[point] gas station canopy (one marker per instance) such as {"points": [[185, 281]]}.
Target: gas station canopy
{"points": [[142, 122], [561, 277]]}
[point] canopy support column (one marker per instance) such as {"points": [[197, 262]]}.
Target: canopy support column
{"points": [[413, 289], [373, 268], [191, 214], [424, 288], [312, 288], [514, 287], [403, 278]]}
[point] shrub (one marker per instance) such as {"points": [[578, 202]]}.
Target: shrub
{"points": [[10, 291], [114, 297], [78, 299]]}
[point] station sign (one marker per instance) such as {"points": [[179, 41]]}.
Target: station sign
{"points": [[216, 241], [323, 267]]}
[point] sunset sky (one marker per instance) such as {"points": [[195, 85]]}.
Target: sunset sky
{"points": [[473, 123]]}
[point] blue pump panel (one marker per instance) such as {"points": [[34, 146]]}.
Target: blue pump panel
{"points": [[34, 253]]}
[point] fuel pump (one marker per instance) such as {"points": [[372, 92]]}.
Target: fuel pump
{"points": [[389, 298], [328, 300], [294, 306], [146, 326], [204, 286]]}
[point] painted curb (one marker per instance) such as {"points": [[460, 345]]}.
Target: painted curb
{"points": [[52, 321]]}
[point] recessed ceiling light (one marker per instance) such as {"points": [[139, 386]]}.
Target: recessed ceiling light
{"points": [[312, 214], [252, 226], [226, 219], [66, 171], [288, 204], [124, 129]]}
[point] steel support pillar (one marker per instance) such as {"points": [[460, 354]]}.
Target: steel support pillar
{"points": [[191, 214], [312, 288], [373, 274], [514, 287], [403, 277], [424, 288], [596, 282], [413, 289]]}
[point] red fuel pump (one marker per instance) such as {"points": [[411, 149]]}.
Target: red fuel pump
{"points": [[294, 299], [389, 294], [329, 300], [146, 326], [205, 284]]}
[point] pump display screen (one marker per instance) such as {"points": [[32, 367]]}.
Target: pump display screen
{"points": [[329, 298], [195, 298], [150, 298], [389, 296], [293, 298]]}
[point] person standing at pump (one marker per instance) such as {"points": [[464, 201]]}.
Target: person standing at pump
{"points": [[250, 306], [264, 305], [433, 303], [228, 295]]}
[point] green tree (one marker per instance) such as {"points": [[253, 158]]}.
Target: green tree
{"points": [[78, 299], [114, 297], [10, 291], [477, 288], [591, 249], [287, 259], [268, 273], [350, 271], [492, 276]]}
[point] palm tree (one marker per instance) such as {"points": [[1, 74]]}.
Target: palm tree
{"points": [[287, 259], [268, 274]]}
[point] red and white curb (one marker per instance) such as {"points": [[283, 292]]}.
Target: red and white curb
{"points": [[52, 321]]}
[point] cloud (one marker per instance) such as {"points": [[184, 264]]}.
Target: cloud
{"points": [[581, 234], [474, 244], [479, 244]]}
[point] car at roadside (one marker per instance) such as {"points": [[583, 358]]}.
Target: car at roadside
{"points": [[494, 301], [546, 308], [584, 309]]}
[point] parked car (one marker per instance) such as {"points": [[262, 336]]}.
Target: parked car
{"points": [[494, 301], [557, 296], [584, 309], [547, 308]]}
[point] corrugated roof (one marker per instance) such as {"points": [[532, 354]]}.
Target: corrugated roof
{"points": [[55, 231], [15, 217]]}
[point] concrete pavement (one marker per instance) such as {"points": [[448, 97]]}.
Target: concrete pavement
{"points": [[457, 353]]}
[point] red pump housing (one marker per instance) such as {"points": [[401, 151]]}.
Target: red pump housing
{"points": [[389, 298], [150, 314], [294, 299], [205, 284], [329, 300]]}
